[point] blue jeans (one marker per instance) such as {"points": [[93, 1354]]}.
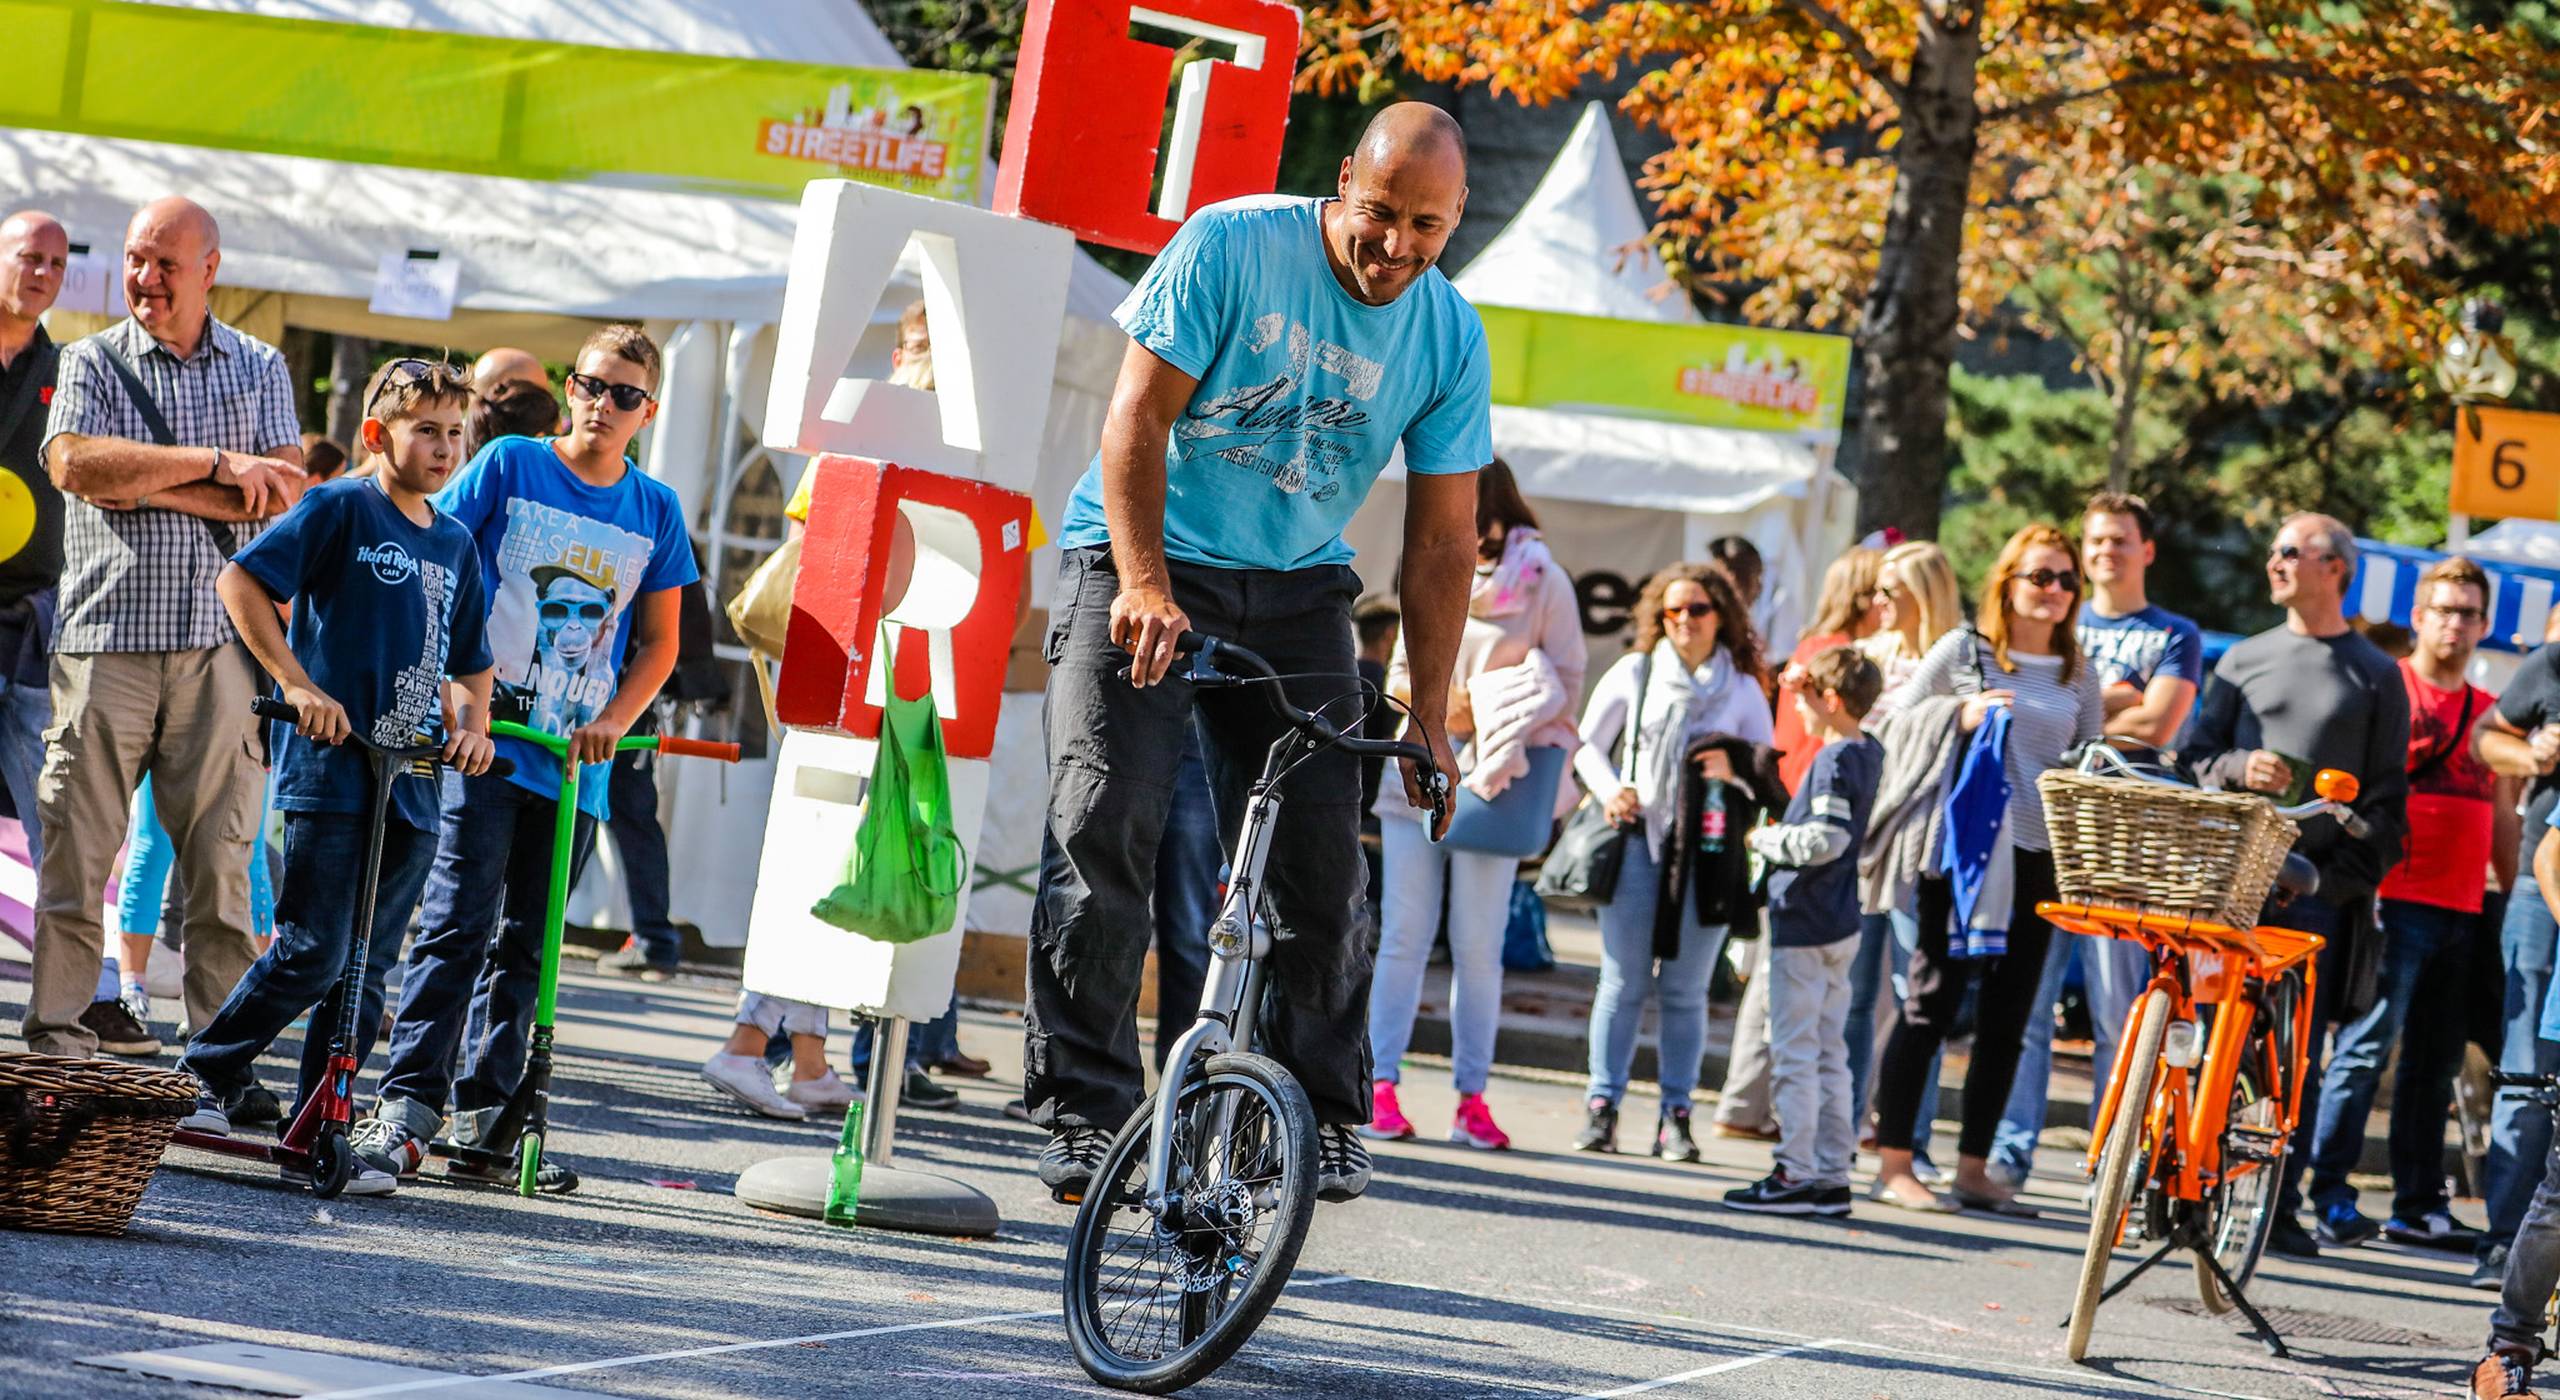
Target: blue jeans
{"points": [[1479, 887], [928, 1042], [478, 953], [642, 843], [2312, 915], [1190, 867], [315, 927], [2422, 960], [2519, 1131], [1628, 970], [25, 710]]}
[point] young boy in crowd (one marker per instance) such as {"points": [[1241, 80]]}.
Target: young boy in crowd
{"points": [[582, 555], [387, 606], [1813, 937]]}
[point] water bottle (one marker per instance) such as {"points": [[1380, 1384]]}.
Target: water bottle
{"points": [[1712, 824], [844, 1178]]}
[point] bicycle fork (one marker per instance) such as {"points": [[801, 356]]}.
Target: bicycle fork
{"points": [[1238, 942]]}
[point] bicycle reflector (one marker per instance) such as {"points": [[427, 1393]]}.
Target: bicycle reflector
{"points": [[2337, 785]]}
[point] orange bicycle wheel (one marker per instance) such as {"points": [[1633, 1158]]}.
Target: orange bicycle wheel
{"points": [[2119, 1166]]}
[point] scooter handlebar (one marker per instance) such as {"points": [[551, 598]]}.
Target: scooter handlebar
{"points": [[697, 748], [274, 707]]}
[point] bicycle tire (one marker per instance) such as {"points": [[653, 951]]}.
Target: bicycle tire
{"points": [[1216, 1305], [2117, 1166], [2242, 1213]]}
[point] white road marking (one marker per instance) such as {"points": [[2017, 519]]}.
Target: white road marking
{"points": [[1718, 1369]]}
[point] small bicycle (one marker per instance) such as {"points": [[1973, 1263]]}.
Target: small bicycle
{"points": [[1197, 1213], [2188, 1142]]}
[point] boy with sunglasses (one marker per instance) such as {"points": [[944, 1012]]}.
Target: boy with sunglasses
{"points": [[582, 555], [387, 606]]}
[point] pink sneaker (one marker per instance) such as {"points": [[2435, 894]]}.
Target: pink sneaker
{"points": [[1475, 1126], [1387, 1122]]}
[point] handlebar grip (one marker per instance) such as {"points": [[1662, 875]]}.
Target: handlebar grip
{"points": [[500, 768], [697, 748], [274, 707], [2355, 825], [1189, 644]]}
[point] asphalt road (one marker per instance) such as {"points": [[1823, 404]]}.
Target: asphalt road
{"points": [[1533, 1272]]}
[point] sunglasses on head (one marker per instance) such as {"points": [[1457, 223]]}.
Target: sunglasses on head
{"points": [[627, 397], [2068, 580], [403, 373], [1693, 611]]}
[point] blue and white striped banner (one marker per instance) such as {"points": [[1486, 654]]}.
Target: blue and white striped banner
{"points": [[2520, 595]]}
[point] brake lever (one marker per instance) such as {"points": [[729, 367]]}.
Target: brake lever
{"points": [[1435, 790]]}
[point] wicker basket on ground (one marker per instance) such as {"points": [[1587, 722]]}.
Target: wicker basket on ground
{"points": [[2130, 844], [79, 1139]]}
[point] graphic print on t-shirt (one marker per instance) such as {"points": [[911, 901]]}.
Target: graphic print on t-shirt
{"points": [[1270, 429], [417, 688], [564, 580]]}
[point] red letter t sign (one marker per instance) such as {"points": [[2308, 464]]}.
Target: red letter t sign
{"points": [[1081, 144]]}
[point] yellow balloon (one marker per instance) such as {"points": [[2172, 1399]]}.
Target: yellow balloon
{"points": [[17, 515]]}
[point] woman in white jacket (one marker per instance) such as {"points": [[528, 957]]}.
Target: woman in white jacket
{"points": [[1692, 669], [1520, 665]]}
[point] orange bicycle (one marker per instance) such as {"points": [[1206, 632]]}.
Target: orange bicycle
{"points": [[2188, 1142]]}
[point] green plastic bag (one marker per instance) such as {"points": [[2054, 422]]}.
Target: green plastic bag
{"points": [[902, 879]]}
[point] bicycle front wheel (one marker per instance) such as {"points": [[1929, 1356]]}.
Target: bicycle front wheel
{"points": [[2119, 1165], [2243, 1206], [1158, 1298]]}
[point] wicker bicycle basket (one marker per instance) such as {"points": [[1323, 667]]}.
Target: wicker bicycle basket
{"points": [[2130, 844], [79, 1139]]}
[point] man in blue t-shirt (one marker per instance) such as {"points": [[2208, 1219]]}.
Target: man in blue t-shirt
{"points": [[387, 607], [583, 555], [1281, 350], [2149, 662]]}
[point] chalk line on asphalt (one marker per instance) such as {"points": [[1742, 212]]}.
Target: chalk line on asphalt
{"points": [[1717, 1369]]}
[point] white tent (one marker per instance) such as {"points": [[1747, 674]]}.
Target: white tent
{"points": [[540, 264], [1622, 495]]}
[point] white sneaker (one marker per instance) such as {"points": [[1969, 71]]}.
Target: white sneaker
{"points": [[750, 1081], [367, 1181], [824, 1092]]}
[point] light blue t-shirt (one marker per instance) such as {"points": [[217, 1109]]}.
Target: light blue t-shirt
{"points": [[2139, 647], [563, 563], [1304, 391]]}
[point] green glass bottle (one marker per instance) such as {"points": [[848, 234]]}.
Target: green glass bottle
{"points": [[844, 1180]]}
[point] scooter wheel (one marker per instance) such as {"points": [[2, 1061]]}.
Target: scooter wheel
{"points": [[333, 1164]]}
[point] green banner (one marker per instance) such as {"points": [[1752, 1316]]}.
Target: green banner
{"points": [[1718, 376], [487, 106]]}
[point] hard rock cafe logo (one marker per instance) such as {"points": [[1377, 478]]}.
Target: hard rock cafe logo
{"points": [[888, 138], [1774, 381]]}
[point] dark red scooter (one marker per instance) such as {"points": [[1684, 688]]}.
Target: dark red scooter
{"points": [[315, 1143]]}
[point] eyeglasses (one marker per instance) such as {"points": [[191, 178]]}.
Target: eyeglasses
{"points": [[2065, 579], [2458, 614], [2294, 554], [402, 373], [1693, 611], [627, 397], [562, 610]]}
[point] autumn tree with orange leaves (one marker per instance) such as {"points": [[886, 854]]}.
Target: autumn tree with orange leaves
{"points": [[1891, 165]]}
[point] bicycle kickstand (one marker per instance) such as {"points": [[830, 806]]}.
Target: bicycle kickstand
{"points": [[2137, 1271], [2257, 1321]]}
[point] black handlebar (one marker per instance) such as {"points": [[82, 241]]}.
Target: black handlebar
{"points": [[1207, 652], [274, 707]]}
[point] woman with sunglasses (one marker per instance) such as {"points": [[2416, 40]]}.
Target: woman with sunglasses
{"points": [[2023, 658], [1692, 670]]}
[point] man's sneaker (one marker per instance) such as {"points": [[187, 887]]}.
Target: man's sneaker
{"points": [[1387, 1122], [208, 1116], [1342, 1164], [921, 1092], [386, 1146], [2345, 1227], [118, 1032], [136, 1003], [2287, 1238], [750, 1081], [2436, 1229], [2503, 1375], [1474, 1126], [1672, 1140], [630, 961], [1832, 1200], [553, 1178], [2489, 1269], [1775, 1195], [257, 1107], [1599, 1128], [364, 1181], [1068, 1163], [826, 1093]]}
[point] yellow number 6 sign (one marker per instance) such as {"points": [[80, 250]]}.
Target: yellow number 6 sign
{"points": [[2506, 463]]}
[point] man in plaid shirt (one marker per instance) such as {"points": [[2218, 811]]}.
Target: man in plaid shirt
{"points": [[148, 675]]}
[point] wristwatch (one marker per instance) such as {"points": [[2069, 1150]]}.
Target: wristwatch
{"points": [[214, 473]]}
